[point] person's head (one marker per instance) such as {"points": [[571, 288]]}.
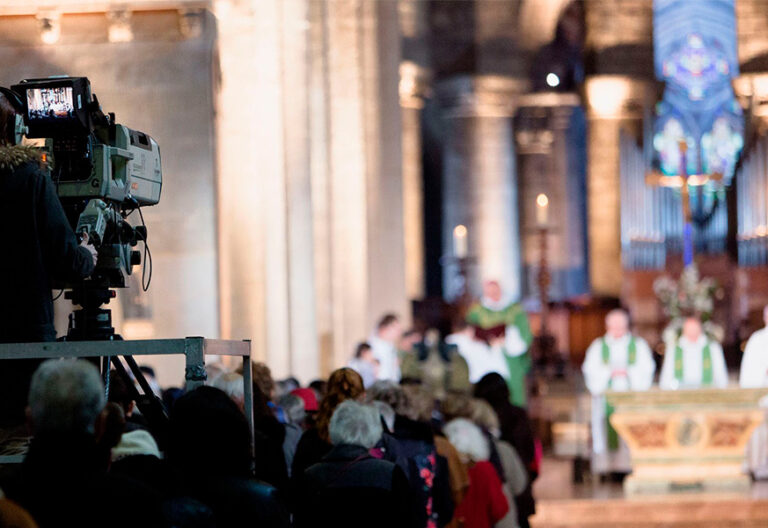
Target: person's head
{"points": [[209, 435], [419, 403], [231, 383], [483, 415], [149, 375], [120, 393], [456, 406], [468, 440], [492, 290], [148, 372], [765, 315], [308, 397], [320, 387], [285, 386], [692, 329], [388, 392], [617, 323], [66, 397], [213, 370], [389, 328], [343, 384], [493, 388], [354, 423], [262, 376], [386, 412], [409, 338], [364, 352], [293, 407]]}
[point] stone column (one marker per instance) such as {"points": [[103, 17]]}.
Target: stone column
{"points": [[619, 89], [311, 196], [413, 85], [480, 179], [614, 103], [550, 137], [250, 152]]}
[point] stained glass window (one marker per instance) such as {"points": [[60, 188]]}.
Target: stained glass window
{"points": [[666, 142], [721, 146]]}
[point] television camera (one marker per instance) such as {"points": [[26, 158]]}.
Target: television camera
{"points": [[103, 172]]}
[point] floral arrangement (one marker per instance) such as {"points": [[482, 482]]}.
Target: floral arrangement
{"points": [[689, 295]]}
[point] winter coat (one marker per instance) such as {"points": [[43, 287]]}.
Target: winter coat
{"points": [[350, 488], [39, 246]]}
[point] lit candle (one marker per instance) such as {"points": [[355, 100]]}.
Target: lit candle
{"points": [[460, 241], [542, 207]]}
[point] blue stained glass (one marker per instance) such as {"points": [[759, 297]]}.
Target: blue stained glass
{"points": [[720, 147], [666, 142]]}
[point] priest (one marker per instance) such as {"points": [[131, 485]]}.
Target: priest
{"points": [[754, 375], [502, 323], [481, 359], [693, 360], [617, 361]]}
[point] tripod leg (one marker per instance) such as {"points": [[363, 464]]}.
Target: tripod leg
{"points": [[139, 375], [149, 404]]}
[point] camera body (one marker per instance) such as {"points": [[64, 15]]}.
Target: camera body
{"points": [[102, 170]]}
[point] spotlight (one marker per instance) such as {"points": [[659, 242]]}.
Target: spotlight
{"points": [[49, 25], [553, 80], [120, 26]]}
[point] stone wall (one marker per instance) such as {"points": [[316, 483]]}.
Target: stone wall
{"points": [[159, 83]]}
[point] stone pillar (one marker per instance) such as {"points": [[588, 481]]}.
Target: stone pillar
{"points": [[413, 82], [311, 196], [250, 172], [551, 145], [619, 87], [480, 179], [615, 103]]}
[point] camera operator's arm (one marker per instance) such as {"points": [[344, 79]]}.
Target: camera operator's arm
{"points": [[66, 260]]}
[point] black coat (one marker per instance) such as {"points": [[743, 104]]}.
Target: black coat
{"points": [[516, 429], [64, 482], [39, 246], [350, 488]]}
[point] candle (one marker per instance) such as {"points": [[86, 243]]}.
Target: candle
{"points": [[460, 241], [542, 207]]}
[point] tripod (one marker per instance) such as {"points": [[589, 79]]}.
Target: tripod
{"points": [[91, 322]]}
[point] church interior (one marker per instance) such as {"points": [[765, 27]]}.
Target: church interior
{"points": [[326, 162]]}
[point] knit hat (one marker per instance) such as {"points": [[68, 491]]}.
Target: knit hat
{"points": [[308, 395]]}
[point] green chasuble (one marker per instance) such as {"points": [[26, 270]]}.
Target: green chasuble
{"points": [[490, 324]]}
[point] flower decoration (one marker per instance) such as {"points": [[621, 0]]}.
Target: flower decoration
{"points": [[690, 295]]}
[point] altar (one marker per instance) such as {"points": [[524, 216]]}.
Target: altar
{"points": [[688, 440]]}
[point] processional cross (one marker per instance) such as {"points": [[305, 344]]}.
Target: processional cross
{"points": [[683, 181]]}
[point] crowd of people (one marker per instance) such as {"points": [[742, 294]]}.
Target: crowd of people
{"points": [[334, 453]]}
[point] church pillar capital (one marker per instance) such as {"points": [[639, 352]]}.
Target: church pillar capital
{"points": [[751, 91], [617, 96], [414, 85], [480, 95]]}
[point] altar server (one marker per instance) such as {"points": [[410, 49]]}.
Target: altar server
{"points": [[693, 361], [754, 375], [618, 361]]}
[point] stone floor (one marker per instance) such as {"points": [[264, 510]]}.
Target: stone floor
{"points": [[561, 504]]}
